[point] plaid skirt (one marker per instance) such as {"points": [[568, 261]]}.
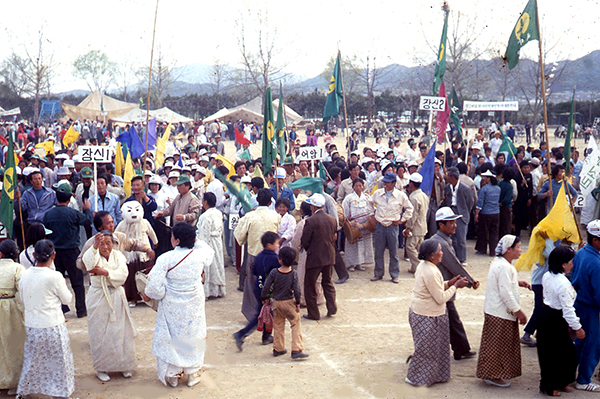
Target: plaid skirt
{"points": [[500, 350], [430, 361]]}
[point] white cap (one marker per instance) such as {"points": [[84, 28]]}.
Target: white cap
{"points": [[61, 156], [174, 174], [202, 151], [476, 146], [437, 161], [69, 163], [155, 180], [416, 177], [76, 158], [176, 167], [593, 228], [148, 173], [201, 169], [445, 213], [280, 173], [186, 169], [317, 200], [168, 164], [213, 155], [488, 173], [413, 163], [29, 170], [246, 179], [204, 158]]}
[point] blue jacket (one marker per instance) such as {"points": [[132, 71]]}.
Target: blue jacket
{"points": [[111, 205], [36, 210], [263, 264], [585, 276], [285, 193]]}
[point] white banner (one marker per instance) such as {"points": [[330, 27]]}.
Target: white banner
{"points": [[311, 153], [95, 153], [10, 112], [490, 106], [429, 103], [589, 172]]}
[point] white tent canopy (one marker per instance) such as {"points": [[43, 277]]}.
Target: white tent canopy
{"points": [[252, 111], [162, 115], [93, 105]]}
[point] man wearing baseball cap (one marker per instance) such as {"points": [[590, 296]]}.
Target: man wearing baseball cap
{"points": [[416, 226], [451, 267], [392, 208], [185, 207], [585, 278]]}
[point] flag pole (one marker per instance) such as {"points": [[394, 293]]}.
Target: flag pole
{"points": [[344, 102], [543, 76], [21, 218], [572, 210], [149, 87]]}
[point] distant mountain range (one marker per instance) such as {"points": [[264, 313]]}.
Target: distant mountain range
{"points": [[583, 72]]}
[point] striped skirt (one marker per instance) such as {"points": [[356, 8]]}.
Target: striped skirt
{"points": [[430, 361], [500, 350]]}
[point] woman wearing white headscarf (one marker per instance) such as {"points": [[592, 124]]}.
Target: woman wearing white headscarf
{"points": [[110, 326], [500, 350]]}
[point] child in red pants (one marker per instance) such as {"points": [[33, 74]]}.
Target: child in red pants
{"points": [[285, 287]]}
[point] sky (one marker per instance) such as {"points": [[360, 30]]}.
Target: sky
{"points": [[307, 33]]}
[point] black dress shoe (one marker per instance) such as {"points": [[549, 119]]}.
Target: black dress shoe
{"points": [[468, 355], [299, 355], [342, 280], [268, 340], [239, 341], [308, 317], [331, 314], [82, 315], [376, 278], [283, 352]]}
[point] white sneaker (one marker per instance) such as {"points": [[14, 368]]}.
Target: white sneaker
{"points": [[103, 376], [591, 387], [132, 304], [127, 374], [172, 381]]}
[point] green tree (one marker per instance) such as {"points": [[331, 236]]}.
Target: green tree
{"points": [[96, 69]]}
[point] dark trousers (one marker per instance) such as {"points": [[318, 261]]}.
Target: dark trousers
{"points": [[487, 233], [458, 336], [65, 262], [340, 265], [538, 292], [253, 323], [310, 292], [504, 224]]}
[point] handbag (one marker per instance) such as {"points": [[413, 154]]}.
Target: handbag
{"points": [[141, 280]]}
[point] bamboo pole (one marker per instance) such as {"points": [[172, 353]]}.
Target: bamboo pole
{"points": [[344, 102], [21, 217], [543, 76], [149, 88], [572, 209]]}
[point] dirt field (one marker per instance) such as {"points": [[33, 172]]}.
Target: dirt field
{"points": [[359, 353]]}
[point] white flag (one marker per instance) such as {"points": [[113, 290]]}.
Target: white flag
{"points": [[590, 170]]}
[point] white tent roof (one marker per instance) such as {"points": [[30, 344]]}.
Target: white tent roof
{"points": [[253, 111], [162, 115], [91, 107]]}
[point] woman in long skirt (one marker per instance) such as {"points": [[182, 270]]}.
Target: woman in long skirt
{"points": [[110, 326], [12, 329], [556, 351], [47, 357], [428, 318], [500, 350], [357, 208]]}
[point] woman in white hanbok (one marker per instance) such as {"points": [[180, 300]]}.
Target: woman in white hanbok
{"points": [[110, 326], [180, 331], [357, 208], [210, 230]]}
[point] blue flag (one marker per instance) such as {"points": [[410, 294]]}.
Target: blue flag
{"points": [[180, 162], [152, 137], [427, 170], [131, 139]]}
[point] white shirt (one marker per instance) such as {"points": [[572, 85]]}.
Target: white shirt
{"points": [[502, 291], [559, 294], [287, 228], [495, 145], [454, 190], [42, 292], [216, 187]]}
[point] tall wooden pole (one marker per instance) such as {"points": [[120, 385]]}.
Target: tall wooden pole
{"points": [[149, 87], [344, 102], [543, 76]]}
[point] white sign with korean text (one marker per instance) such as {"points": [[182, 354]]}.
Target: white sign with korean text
{"points": [[429, 103], [589, 173], [3, 231], [233, 221], [311, 153], [95, 154], [490, 105]]}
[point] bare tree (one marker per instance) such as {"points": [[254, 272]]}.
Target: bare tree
{"points": [[258, 49], [164, 75], [32, 74], [96, 69], [218, 77]]}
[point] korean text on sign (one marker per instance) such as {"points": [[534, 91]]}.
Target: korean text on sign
{"points": [[95, 153], [428, 103], [311, 153]]}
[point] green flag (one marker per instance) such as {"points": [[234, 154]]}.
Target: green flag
{"points": [[8, 190], [440, 63], [507, 146], [280, 127], [238, 190], [455, 110], [322, 172], [246, 155], [570, 128], [312, 184], [335, 95], [269, 150], [525, 30]]}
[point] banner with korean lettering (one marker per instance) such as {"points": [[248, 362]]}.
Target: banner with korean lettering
{"points": [[589, 172]]}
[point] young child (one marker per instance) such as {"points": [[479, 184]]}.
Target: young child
{"points": [[286, 303]]}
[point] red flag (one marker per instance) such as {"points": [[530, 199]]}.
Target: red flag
{"points": [[441, 121], [239, 137], [3, 140]]}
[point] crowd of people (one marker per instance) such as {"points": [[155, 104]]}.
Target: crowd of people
{"points": [[166, 243]]}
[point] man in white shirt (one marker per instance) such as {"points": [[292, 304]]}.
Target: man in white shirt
{"points": [[495, 143]]}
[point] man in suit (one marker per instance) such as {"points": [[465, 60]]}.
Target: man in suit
{"points": [[460, 199], [450, 268], [318, 239]]}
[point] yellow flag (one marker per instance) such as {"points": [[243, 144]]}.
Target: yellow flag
{"points": [[129, 174], [119, 161], [46, 145], [258, 173], [560, 224], [161, 147], [71, 136], [228, 164]]}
